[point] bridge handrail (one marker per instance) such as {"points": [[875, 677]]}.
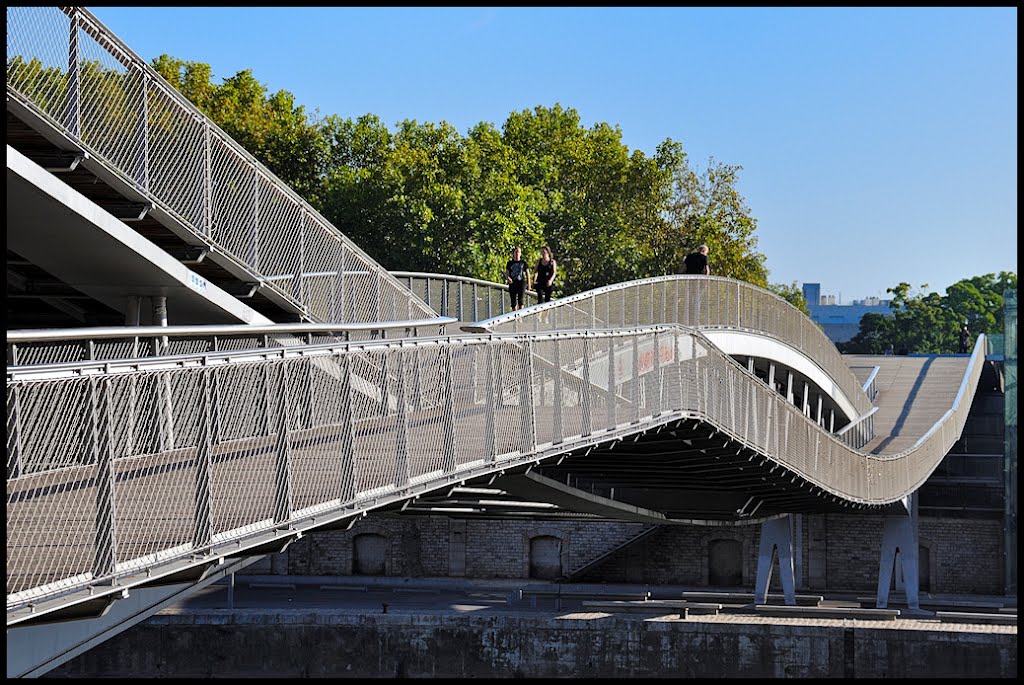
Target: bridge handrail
{"points": [[143, 435], [66, 345], [465, 304], [727, 303], [203, 182]]}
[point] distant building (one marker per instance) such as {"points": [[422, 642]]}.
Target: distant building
{"points": [[840, 322]]}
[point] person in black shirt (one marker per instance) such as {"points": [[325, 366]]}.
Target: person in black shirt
{"points": [[517, 276], [965, 337], [697, 262], [547, 269]]}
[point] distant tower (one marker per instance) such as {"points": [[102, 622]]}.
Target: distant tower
{"points": [[812, 293]]}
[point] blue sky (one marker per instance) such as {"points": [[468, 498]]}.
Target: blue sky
{"points": [[878, 145]]}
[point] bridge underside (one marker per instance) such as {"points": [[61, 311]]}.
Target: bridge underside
{"points": [[682, 472]]}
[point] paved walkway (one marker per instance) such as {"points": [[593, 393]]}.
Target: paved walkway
{"points": [[302, 599]]}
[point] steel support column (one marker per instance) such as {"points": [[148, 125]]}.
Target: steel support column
{"points": [[776, 543], [899, 546]]}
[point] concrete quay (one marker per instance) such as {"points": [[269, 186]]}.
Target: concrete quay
{"points": [[288, 626]]}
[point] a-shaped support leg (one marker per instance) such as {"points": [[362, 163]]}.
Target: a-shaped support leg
{"points": [[899, 546], [776, 535]]}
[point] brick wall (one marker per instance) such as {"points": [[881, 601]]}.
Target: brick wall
{"points": [[840, 552]]}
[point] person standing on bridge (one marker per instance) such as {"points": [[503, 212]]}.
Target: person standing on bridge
{"points": [[546, 271], [697, 262], [965, 338], [517, 275]]}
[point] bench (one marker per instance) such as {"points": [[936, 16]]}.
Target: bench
{"points": [[748, 598], [655, 606], [934, 603], [973, 617], [559, 593], [827, 612]]}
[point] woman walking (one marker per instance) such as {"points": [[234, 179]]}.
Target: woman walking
{"points": [[546, 271]]}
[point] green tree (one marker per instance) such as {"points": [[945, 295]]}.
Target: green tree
{"points": [[929, 323], [792, 293], [708, 209], [271, 127]]}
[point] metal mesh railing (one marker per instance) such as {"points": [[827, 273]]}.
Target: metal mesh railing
{"points": [[56, 346], [113, 468], [465, 299], [703, 302], [65, 69]]}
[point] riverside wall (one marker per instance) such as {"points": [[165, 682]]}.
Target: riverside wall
{"points": [[321, 643]]}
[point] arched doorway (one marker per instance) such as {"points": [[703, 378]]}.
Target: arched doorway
{"points": [[369, 554], [725, 563], [545, 557]]}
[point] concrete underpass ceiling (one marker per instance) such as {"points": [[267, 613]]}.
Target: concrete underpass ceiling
{"points": [[57, 229]]}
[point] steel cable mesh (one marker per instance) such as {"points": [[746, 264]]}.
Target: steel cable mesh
{"points": [[112, 110], [37, 57], [323, 254], [374, 417], [281, 236], [154, 492], [243, 462], [234, 219], [50, 352], [472, 394], [431, 441], [176, 163]]}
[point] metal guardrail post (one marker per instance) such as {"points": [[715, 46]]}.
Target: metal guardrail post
{"points": [[636, 378], [401, 474], [101, 445], [659, 374], [493, 390], [142, 130], [74, 107], [526, 401], [612, 419], [256, 234], [459, 301], [203, 531], [283, 484], [587, 389], [444, 298], [14, 453], [448, 407], [556, 400], [307, 393], [207, 195], [346, 451]]}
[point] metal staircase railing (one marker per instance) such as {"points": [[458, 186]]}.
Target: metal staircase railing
{"points": [[75, 81]]}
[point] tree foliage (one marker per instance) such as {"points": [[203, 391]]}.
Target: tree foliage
{"points": [[792, 293], [421, 196], [929, 323], [270, 126]]}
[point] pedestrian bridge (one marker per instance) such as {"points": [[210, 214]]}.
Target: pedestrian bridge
{"points": [[148, 457], [122, 471]]}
